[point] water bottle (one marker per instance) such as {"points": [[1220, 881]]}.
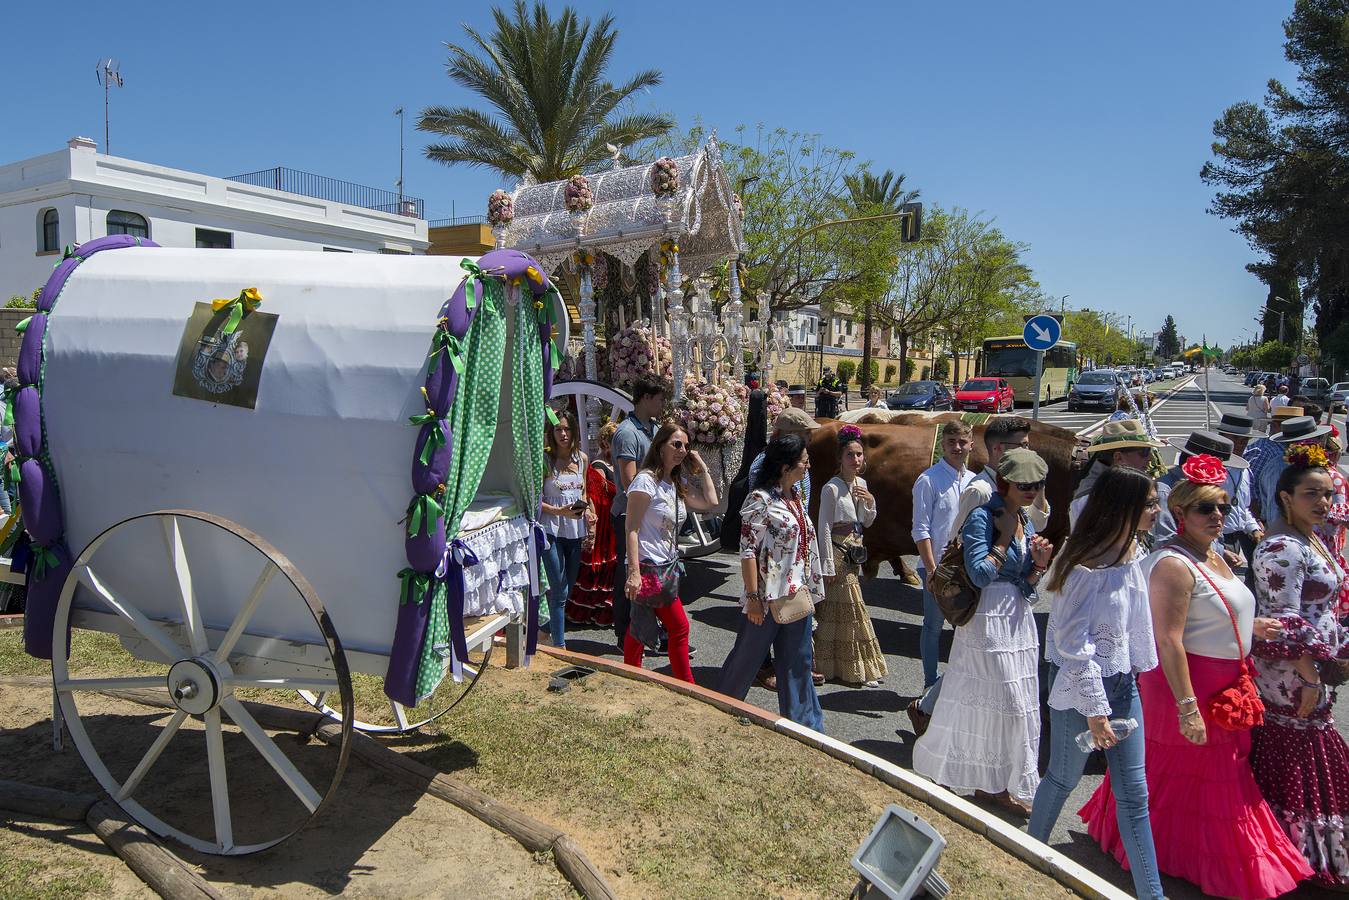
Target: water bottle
{"points": [[1086, 741]]}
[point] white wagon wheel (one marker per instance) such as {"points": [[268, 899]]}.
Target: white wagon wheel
{"points": [[199, 669], [404, 719]]}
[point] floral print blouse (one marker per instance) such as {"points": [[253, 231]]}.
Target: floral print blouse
{"points": [[771, 533], [1297, 585]]}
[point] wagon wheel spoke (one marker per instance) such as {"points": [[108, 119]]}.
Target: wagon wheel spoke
{"points": [[153, 682], [250, 606], [272, 753], [134, 779], [323, 686], [399, 714], [173, 541], [151, 631], [220, 794]]}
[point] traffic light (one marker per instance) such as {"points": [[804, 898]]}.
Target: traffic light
{"points": [[911, 224]]}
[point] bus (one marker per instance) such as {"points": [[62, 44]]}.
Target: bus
{"points": [[1010, 358]]}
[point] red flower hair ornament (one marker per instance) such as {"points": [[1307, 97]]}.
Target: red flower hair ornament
{"points": [[1204, 469]]}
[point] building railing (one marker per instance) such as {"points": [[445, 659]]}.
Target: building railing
{"points": [[322, 187], [457, 220]]}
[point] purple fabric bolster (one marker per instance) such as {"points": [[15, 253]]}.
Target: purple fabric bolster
{"points": [[39, 618], [28, 421], [425, 548], [41, 507], [400, 681], [30, 349], [426, 478]]}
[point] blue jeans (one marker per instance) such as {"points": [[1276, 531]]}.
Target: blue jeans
{"points": [[562, 560], [929, 639], [1127, 779], [793, 655]]}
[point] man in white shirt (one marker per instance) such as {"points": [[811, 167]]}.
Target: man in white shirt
{"points": [[936, 500], [1002, 433], [1279, 399]]}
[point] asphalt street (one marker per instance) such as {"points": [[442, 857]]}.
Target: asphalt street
{"points": [[874, 719]]}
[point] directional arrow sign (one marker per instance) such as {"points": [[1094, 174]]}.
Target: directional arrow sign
{"points": [[1042, 332]]}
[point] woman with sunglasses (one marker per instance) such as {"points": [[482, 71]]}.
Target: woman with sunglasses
{"points": [[984, 735], [658, 501], [1210, 825], [1299, 758], [1099, 637]]}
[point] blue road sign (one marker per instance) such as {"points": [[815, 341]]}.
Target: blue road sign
{"points": [[1042, 332]]}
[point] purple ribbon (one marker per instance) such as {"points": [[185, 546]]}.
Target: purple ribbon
{"points": [[535, 589], [458, 555]]}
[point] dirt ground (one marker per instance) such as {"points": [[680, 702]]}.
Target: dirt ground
{"points": [[669, 797]]}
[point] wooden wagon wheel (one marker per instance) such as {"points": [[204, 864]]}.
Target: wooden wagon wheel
{"points": [[197, 670], [404, 719]]}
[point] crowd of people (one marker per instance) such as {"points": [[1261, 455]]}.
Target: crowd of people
{"points": [[1194, 634]]}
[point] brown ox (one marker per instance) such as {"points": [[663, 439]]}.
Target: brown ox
{"points": [[898, 453]]}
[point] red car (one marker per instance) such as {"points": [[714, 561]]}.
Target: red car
{"points": [[992, 395]]}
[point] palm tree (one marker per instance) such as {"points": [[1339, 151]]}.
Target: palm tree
{"points": [[553, 113], [869, 195]]}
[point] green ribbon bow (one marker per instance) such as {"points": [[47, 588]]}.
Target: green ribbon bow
{"points": [[9, 409], [248, 300], [15, 473], [548, 316], [435, 440], [44, 560], [445, 341], [413, 587], [472, 282], [552, 416], [23, 326], [423, 512]]}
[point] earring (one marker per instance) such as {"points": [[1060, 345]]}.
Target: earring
{"points": [[1180, 526]]}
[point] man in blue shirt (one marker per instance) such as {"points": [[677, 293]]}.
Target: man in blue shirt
{"points": [[629, 446]]}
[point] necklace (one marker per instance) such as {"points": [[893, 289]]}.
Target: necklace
{"points": [[1321, 550]]}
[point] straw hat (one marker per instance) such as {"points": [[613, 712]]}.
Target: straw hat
{"points": [[1122, 434], [1288, 412]]}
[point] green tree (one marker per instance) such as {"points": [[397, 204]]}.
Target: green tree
{"points": [[1169, 343], [552, 111], [890, 371], [846, 369], [1272, 356]]}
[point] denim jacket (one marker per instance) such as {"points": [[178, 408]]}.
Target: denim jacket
{"points": [[979, 535]]}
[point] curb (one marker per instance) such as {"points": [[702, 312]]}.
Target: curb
{"points": [[1005, 835], [11, 620]]}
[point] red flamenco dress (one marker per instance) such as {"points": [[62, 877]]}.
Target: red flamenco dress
{"points": [[592, 597], [1210, 824]]}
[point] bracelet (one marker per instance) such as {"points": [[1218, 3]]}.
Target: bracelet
{"points": [[999, 555], [1189, 715], [753, 595], [1183, 701]]}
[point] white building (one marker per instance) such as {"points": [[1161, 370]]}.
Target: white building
{"points": [[77, 194]]}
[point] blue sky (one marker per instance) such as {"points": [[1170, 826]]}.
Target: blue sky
{"points": [[1080, 128]]}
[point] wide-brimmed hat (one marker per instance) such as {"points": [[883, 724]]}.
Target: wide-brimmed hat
{"points": [[1300, 428], [799, 389], [1200, 443], [1122, 434], [1234, 425], [1287, 412], [792, 419], [1022, 466]]}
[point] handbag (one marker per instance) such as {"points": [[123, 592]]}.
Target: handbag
{"points": [[854, 553], [950, 584], [792, 608], [660, 581], [1238, 706]]}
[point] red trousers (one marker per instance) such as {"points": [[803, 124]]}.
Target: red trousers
{"points": [[676, 624]]}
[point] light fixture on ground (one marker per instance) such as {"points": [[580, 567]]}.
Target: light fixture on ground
{"points": [[899, 858]]}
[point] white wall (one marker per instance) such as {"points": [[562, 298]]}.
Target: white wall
{"points": [[83, 187]]}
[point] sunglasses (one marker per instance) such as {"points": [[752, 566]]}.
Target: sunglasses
{"points": [[1208, 508], [1030, 487]]}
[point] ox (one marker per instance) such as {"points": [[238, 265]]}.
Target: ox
{"points": [[899, 451]]}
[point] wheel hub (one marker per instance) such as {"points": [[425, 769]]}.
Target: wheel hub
{"points": [[194, 686]]}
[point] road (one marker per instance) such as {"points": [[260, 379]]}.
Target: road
{"points": [[874, 719]]}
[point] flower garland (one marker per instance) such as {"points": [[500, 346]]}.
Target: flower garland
{"points": [[711, 413], [1306, 456], [777, 402], [576, 195], [664, 177], [632, 352], [500, 209]]}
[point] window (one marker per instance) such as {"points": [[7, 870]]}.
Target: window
{"points": [[214, 240], [122, 222], [50, 223]]}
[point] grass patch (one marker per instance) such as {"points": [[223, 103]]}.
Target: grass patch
{"points": [[22, 878]]}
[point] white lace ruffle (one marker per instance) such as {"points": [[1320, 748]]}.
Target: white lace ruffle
{"points": [[500, 580]]}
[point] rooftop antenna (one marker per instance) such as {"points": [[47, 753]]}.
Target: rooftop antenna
{"points": [[399, 113], [107, 73]]}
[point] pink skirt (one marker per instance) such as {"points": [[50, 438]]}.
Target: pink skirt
{"points": [[1209, 823]]}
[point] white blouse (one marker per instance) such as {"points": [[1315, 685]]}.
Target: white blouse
{"points": [[837, 505], [1100, 625]]}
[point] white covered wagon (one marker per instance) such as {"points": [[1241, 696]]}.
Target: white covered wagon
{"points": [[268, 471]]}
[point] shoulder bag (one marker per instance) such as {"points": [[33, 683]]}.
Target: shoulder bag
{"points": [[854, 553], [660, 582], [950, 584], [799, 604], [1238, 706]]}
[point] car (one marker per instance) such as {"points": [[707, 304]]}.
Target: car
{"points": [[1099, 388], [1316, 390], [985, 395], [921, 395], [1339, 396], [1252, 378]]}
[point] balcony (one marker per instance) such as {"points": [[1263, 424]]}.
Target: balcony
{"points": [[321, 187]]}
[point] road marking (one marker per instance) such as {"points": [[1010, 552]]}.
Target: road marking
{"points": [[1152, 413]]}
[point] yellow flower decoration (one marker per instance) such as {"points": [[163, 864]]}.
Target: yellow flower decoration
{"points": [[1307, 456], [534, 275]]}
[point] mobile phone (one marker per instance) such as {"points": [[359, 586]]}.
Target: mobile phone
{"points": [[579, 505]]}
